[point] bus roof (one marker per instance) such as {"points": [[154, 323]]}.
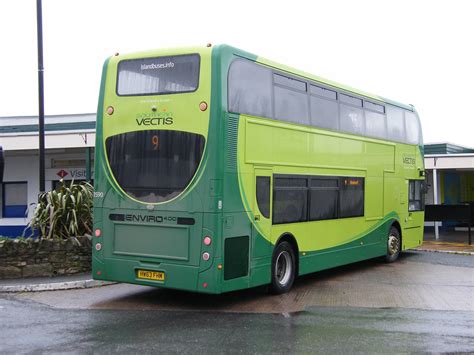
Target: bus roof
{"points": [[224, 48], [309, 76]]}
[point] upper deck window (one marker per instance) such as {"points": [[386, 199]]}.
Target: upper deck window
{"points": [[289, 82], [257, 90], [412, 128], [323, 92], [161, 75], [250, 89], [350, 100]]}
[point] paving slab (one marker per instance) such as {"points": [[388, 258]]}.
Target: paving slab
{"points": [[39, 284], [447, 247]]}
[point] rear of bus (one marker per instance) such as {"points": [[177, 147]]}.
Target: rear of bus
{"points": [[156, 200]]}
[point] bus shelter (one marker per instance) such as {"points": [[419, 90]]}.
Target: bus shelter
{"points": [[450, 180]]}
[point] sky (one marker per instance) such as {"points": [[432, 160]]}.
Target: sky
{"points": [[415, 52]]}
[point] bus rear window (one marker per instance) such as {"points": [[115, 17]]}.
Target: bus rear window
{"points": [[161, 75], [154, 165]]}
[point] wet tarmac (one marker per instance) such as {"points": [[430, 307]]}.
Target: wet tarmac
{"points": [[418, 280], [36, 328], [423, 303]]}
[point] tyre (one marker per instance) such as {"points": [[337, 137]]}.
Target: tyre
{"points": [[283, 268], [393, 245]]}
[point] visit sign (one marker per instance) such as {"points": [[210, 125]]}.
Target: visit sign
{"points": [[67, 174]]}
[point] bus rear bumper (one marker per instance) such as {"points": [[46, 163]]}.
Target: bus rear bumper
{"points": [[175, 276]]}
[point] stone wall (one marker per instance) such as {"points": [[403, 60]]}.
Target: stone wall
{"points": [[42, 257]]}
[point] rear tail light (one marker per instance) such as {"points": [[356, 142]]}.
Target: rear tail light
{"points": [[207, 241], [206, 256], [110, 110], [98, 232], [203, 106], [98, 246]]}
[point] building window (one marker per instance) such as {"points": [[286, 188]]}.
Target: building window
{"points": [[416, 196], [263, 195], [14, 199]]}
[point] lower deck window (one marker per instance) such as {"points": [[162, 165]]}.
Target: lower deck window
{"points": [[263, 195], [290, 205], [351, 197], [14, 199], [314, 198], [323, 204]]}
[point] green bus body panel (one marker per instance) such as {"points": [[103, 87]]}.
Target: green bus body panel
{"points": [[221, 196], [171, 242]]}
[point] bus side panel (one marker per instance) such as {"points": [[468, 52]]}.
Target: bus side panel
{"points": [[370, 245], [236, 251]]}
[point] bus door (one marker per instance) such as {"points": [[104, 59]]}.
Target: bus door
{"points": [[262, 212], [416, 203]]}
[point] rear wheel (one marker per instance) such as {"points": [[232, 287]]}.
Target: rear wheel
{"points": [[393, 245], [283, 268]]}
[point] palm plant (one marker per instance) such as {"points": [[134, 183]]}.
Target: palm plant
{"points": [[65, 212]]}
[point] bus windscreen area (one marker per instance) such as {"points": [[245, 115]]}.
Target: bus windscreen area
{"points": [[154, 166], [161, 75]]}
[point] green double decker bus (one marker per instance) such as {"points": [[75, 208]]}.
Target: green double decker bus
{"points": [[218, 170]]}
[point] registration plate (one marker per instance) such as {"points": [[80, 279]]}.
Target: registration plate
{"points": [[151, 275]]}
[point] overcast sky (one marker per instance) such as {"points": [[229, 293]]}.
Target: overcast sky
{"points": [[416, 52]]}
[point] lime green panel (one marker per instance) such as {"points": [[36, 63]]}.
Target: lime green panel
{"points": [[294, 149], [183, 108]]}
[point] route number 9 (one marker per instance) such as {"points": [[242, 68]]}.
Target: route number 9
{"points": [[155, 142]]}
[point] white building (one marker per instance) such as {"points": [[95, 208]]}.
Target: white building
{"points": [[69, 142]]}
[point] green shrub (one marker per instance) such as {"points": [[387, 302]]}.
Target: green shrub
{"points": [[64, 213]]}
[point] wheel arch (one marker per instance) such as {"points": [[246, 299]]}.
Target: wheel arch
{"points": [[288, 237]]}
